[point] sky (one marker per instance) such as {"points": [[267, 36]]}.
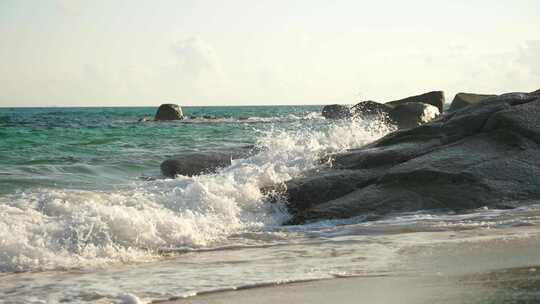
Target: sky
{"points": [[258, 52]]}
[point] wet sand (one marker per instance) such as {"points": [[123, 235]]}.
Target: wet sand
{"points": [[501, 266]]}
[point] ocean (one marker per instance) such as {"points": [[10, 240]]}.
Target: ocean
{"points": [[87, 217]]}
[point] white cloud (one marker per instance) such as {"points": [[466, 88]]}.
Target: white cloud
{"points": [[195, 57]]}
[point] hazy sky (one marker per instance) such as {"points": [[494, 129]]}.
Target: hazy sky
{"points": [[102, 52]]}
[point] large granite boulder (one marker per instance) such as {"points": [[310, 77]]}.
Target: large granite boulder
{"points": [[486, 154], [413, 114], [370, 108], [169, 112], [195, 163], [336, 111], [434, 98], [462, 100]]}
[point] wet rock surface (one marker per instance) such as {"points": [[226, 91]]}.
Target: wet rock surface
{"points": [[486, 154]]}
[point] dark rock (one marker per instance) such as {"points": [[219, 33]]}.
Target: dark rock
{"points": [[194, 163], [336, 111], [462, 100], [435, 98], [325, 186], [486, 154], [169, 112], [370, 108], [413, 114], [209, 117]]}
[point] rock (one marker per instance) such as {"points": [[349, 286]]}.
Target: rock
{"points": [[434, 98], [209, 117], [462, 100], [169, 112], [370, 108], [328, 185], [537, 92], [413, 114], [195, 163], [336, 111], [487, 154]]}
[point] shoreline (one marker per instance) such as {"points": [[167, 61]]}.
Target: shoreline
{"points": [[493, 270]]}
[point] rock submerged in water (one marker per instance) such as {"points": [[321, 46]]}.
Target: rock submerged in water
{"points": [[195, 163], [169, 112], [487, 154], [462, 100]]}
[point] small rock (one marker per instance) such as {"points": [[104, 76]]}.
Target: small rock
{"points": [[169, 112]]}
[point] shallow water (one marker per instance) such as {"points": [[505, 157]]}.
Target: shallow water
{"points": [[86, 217]]}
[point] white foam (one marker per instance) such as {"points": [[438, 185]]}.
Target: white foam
{"points": [[59, 229], [430, 113], [129, 298]]}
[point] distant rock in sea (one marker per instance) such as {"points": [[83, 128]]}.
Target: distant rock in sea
{"points": [[169, 112], [485, 154]]}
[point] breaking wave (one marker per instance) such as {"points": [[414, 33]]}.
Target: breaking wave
{"points": [[48, 229]]}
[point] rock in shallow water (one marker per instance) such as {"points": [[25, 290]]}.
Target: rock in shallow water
{"points": [[483, 155], [169, 112], [194, 163]]}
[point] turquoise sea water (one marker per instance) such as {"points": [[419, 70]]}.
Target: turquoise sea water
{"points": [[95, 148]]}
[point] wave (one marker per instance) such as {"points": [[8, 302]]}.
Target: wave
{"points": [[49, 229]]}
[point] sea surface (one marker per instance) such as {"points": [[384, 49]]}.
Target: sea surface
{"points": [[87, 217]]}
